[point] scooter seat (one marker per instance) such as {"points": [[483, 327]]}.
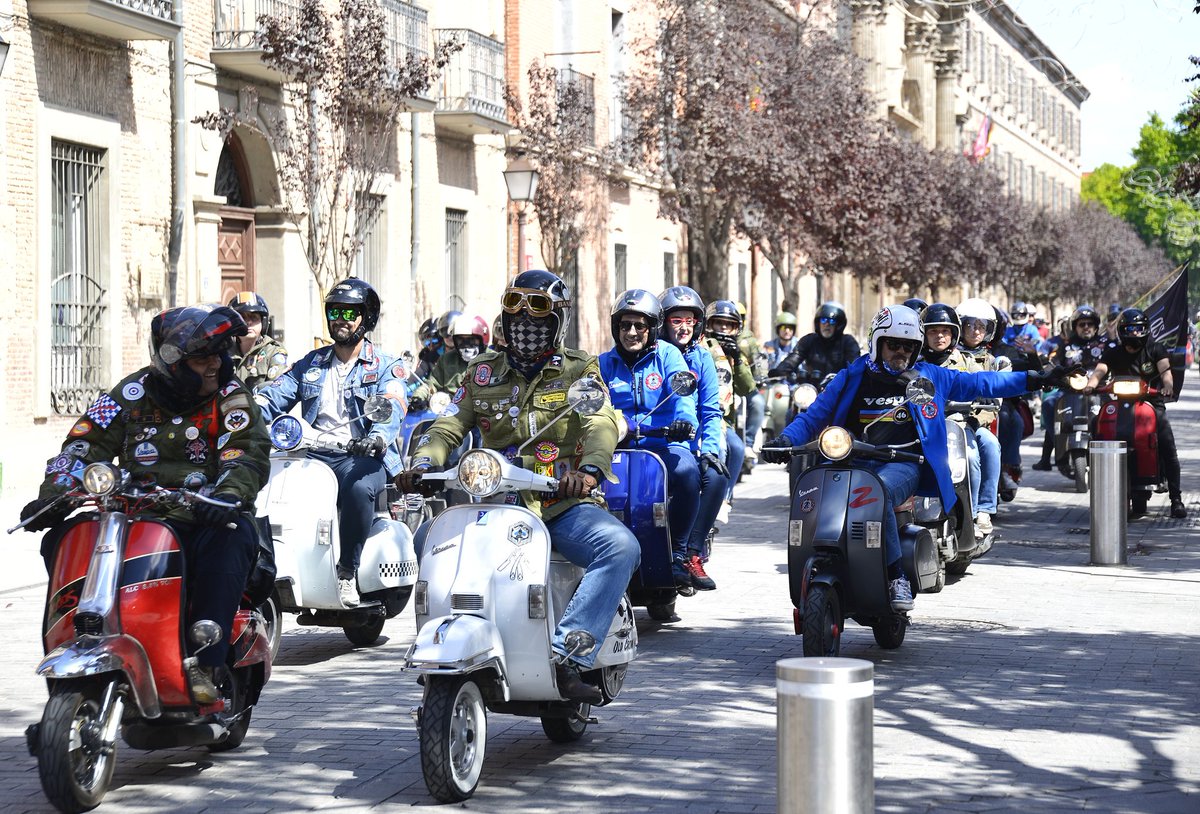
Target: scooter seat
{"points": [[906, 506], [556, 556]]}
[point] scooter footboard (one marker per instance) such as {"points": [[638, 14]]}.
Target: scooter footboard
{"points": [[95, 655]]}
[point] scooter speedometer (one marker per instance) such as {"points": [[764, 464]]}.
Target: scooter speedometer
{"points": [[286, 432]]}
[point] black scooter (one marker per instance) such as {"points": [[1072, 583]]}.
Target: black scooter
{"points": [[837, 564]]}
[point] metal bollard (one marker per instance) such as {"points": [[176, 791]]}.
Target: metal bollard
{"points": [[824, 737], [1109, 501]]}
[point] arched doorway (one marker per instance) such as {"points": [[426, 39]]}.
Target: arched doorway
{"points": [[235, 235]]}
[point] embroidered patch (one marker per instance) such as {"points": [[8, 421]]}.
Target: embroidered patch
{"points": [[1109, 409], [82, 427], [399, 370], [485, 424], [232, 454], [237, 420], [458, 396], [191, 433], [370, 378], [133, 391], [196, 451], [929, 410], [60, 464], [423, 440], [279, 360], [653, 381], [449, 409], [103, 410], [312, 374], [545, 451], [146, 454], [227, 389], [483, 374], [239, 402], [223, 440], [79, 448]]}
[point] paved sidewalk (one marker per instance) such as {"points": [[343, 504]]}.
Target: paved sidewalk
{"points": [[1034, 683]]}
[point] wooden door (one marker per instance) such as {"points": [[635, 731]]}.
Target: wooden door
{"points": [[235, 251]]}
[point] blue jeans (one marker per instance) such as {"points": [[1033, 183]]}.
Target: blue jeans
{"points": [[713, 486], [593, 539], [1011, 428], [900, 479], [360, 479], [756, 413], [1049, 406], [683, 487], [984, 468], [735, 454]]}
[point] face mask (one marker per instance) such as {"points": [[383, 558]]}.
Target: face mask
{"points": [[529, 338], [468, 353]]}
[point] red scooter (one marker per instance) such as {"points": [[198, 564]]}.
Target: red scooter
{"points": [[1129, 417], [113, 636]]}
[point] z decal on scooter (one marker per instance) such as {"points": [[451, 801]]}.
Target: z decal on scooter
{"points": [[862, 498]]}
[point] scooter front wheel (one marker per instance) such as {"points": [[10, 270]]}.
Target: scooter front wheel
{"points": [[1081, 470], [822, 630], [889, 631], [74, 767], [365, 635], [453, 737]]}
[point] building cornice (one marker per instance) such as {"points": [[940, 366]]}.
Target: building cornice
{"points": [[1018, 33]]}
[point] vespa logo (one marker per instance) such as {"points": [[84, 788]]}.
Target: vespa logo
{"points": [[442, 548], [807, 492], [518, 534]]}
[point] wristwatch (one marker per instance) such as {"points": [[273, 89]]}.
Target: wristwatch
{"points": [[594, 471]]}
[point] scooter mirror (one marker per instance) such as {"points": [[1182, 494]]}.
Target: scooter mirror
{"points": [[205, 632], [579, 643], [377, 409], [919, 391], [439, 401], [586, 396], [683, 383]]}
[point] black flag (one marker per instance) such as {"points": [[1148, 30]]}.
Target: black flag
{"points": [[1168, 315]]}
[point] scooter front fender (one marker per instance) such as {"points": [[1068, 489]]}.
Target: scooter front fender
{"points": [[455, 643], [94, 655]]}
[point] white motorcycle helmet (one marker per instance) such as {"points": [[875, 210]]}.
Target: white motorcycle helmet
{"points": [[981, 309], [896, 322]]}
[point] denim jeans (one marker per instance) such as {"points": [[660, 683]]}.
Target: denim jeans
{"points": [[713, 486], [1011, 429], [683, 487], [218, 561], [756, 413], [736, 453], [985, 469], [360, 479], [593, 539], [900, 479], [1049, 407]]}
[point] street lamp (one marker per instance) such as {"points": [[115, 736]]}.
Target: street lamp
{"points": [[521, 178]]}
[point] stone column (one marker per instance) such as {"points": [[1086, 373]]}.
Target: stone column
{"points": [[948, 72], [919, 37], [869, 41]]}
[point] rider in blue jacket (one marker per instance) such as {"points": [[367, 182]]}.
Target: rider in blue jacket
{"points": [[332, 385], [638, 372], [683, 312], [869, 388]]}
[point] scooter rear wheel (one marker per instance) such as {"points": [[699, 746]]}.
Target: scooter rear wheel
{"points": [[822, 621], [365, 635], [453, 737], [75, 773], [889, 631], [567, 730]]}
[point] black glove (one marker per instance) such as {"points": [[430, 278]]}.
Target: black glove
{"points": [[370, 447], [49, 519], [210, 515], [1045, 379], [416, 404], [707, 460], [776, 451], [680, 430], [730, 346], [410, 483]]}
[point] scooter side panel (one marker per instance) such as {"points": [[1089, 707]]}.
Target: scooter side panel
{"points": [[301, 493], [388, 557], [71, 559], [817, 521], [866, 548], [1144, 471], [642, 483], [488, 557], [151, 604]]}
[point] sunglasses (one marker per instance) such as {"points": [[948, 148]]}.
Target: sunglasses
{"points": [[537, 303], [636, 327], [896, 345], [680, 321], [829, 320], [343, 314]]}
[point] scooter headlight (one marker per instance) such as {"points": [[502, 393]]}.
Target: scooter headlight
{"points": [[1127, 387], [439, 401], [100, 479], [835, 443], [803, 396], [1077, 381], [286, 432], [479, 472]]}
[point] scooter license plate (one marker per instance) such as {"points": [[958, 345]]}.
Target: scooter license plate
{"points": [[873, 533]]}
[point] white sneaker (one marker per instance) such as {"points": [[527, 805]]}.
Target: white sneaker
{"points": [[983, 525], [347, 593], [723, 513]]}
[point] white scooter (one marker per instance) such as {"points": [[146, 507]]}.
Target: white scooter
{"points": [[489, 596], [300, 499]]}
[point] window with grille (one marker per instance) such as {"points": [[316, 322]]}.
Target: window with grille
{"points": [[668, 269], [371, 257], [620, 265], [79, 283], [456, 256]]}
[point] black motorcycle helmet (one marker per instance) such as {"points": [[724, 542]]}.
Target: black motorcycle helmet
{"points": [[535, 312], [834, 311], [1001, 328], [1133, 328], [442, 325], [251, 302], [680, 297], [636, 301], [1081, 313], [190, 332], [916, 303], [941, 314], [428, 332], [723, 309], [353, 291]]}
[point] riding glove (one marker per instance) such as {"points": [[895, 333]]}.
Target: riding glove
{"points": [[49, 519], [410, 483], [370, 447], [1045, 379], [416, 404], [707, 460], [210, 515], [776, 451], [680, 430]]}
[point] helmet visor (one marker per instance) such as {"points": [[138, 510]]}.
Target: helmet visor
{"points": [[537, 303]]}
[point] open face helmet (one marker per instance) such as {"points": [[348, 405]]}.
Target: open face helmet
{"points": [[471, 336], [898, 323], [976, 310], [1084, 313], [681, 297], [723, 310], [357, 293], [1019, 313], [641, 302]]}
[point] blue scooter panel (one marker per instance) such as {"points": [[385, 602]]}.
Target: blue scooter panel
{"points": [[639, 500]]}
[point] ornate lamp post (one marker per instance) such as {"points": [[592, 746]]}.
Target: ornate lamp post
{"points": [[521, 178]]}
